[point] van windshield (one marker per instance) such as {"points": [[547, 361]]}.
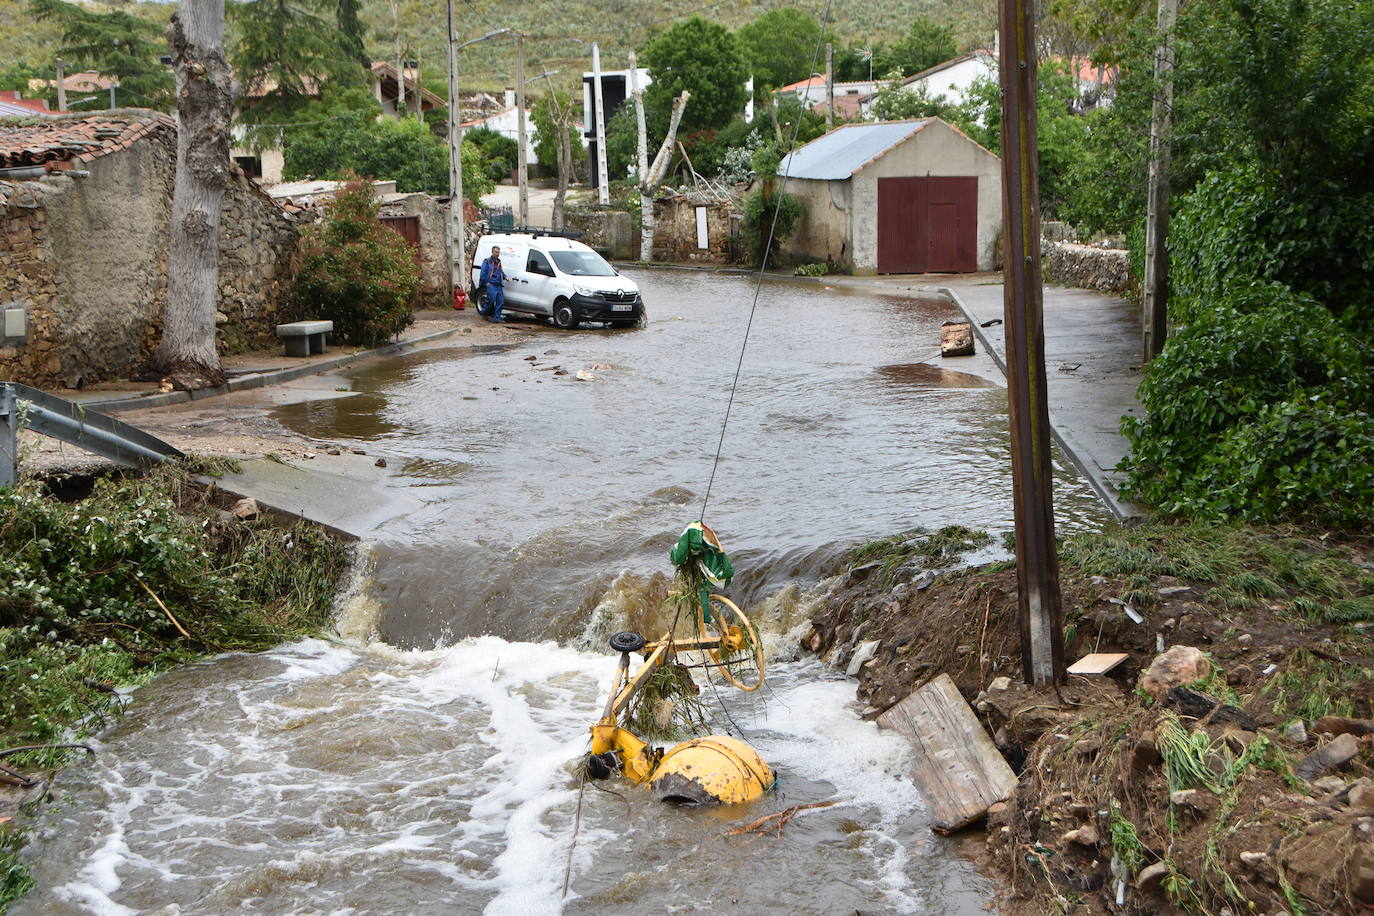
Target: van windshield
{"points": [[582, 264]]}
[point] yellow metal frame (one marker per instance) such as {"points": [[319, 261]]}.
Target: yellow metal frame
{"points": [[638, 758]]}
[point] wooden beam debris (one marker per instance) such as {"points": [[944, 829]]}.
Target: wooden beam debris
{"points": [[958, 769]]}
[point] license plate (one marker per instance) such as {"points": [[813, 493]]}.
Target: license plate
{"points": [[622, 307]]}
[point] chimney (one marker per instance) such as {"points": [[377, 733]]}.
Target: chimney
{"points": [[510, 98]]}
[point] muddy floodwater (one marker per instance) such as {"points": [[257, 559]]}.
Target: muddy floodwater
{"points": [[425, 760]]}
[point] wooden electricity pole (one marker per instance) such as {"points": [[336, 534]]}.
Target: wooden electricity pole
{"points": [[829, 86], [1037, 562], [1155, 301]]}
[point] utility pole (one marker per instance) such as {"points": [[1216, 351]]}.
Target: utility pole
{"points": [[61, 87], [829, 86], [455, 164], [603, 190], [1037, 561], [521, 157], [1155, 318]]}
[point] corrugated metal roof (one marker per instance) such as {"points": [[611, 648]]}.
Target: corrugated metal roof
{"points": [[842, 152]]}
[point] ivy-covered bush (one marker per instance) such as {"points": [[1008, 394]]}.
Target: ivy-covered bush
{"points": [[355, 272], [757, 223], [1262, 407], [1241, 225]]}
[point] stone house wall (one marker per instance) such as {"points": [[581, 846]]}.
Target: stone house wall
{"points": [[86, 257], [434, 257], [675, 231]]}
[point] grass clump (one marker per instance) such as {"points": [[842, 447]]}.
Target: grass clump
{"points": [[935, 550], [1309, 687], [1243, 565]]}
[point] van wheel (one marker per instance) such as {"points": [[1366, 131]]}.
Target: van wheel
{"points": [[564, 315]]}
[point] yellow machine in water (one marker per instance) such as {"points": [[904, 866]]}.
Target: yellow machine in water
{"points": [[714, 769]]}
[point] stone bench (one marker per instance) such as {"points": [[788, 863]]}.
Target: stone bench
{"points": [[304, 337]]}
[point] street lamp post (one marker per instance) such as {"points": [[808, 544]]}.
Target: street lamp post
{"points": [[455, 152]]}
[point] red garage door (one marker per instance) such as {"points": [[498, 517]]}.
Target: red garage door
{"points": [[927, 225]]}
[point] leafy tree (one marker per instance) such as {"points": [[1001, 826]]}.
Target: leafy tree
{"points": [[499, 151], [621, 134], [117, 44], [898, 103], [703, 58], [17, 76], [1262, 402], [859, 63], [352, 270], [285, 51], [925, 45], [545, 115], [780, 47], [769, 215], [345, 135], [1062, 134]]}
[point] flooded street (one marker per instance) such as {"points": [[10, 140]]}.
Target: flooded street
{"points": [[426, 762]]}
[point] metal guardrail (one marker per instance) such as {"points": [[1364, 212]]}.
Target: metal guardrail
{"points": [[59, 418]]}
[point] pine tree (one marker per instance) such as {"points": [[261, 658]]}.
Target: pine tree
{"points": [[116, 44], [286, 50]]}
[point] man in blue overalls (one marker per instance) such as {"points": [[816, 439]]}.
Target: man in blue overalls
{"points": [[493, 277]]}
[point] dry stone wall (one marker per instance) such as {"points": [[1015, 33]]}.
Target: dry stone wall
{"points": [[1087, 267], [675, 231], [86, 258]]}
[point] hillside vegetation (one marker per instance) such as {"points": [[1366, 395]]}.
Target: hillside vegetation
{"points": [[618, 25]]}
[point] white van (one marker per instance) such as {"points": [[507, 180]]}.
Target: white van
{"points": [[560, 279]]}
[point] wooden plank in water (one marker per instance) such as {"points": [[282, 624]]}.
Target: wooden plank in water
{"points": [[958, 769], [1097, 663]]}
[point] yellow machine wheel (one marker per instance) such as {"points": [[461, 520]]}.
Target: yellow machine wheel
{"points": [[727, 610], [711, 770]]}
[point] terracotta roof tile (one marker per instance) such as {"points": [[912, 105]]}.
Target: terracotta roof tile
{"points": [[81, 138]]}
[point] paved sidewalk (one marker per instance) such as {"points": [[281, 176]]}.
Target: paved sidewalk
{"points": [[260, 368], [1092, 357]]}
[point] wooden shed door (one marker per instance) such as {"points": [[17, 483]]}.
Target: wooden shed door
{"points": [[927, 225], [407, 226]]}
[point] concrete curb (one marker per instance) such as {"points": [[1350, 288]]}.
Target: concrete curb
{"points": [[1105, 490], [127, 401]]}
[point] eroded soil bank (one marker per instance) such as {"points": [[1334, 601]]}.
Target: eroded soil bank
{"points": [[1246, 788]]}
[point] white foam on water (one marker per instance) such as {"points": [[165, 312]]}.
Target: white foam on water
{"points": [[814, 732], [328, 778]]}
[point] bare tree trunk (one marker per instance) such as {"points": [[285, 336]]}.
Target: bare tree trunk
{"points": [[560, 219], [650, 180], [205, 99]]}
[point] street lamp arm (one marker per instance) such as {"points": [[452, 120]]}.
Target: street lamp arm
{"points": [[486, 37]]}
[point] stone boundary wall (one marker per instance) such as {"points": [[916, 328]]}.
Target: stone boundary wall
{"points": [[87, 260], [1087, 267], [609, 231], [675, 231], [433, 252]]}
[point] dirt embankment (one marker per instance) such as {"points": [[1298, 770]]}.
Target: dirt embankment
{"points": [[1247, 787]]}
